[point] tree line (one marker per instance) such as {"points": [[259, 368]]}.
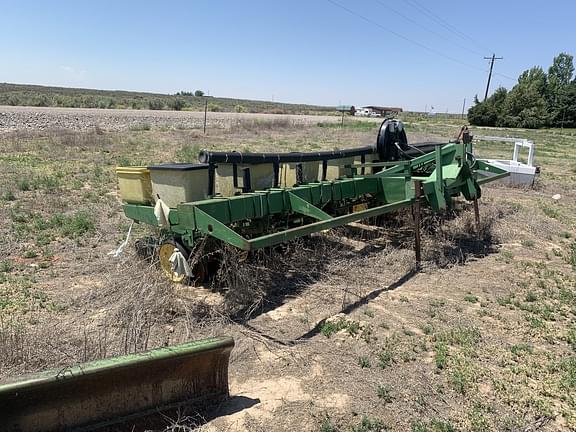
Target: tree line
{"points": [[539, 99]]}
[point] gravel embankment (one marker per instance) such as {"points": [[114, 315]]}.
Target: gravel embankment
{"points": [[37, 119]]}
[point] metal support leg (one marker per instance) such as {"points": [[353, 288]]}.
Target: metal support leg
{"points": [[477, 217], [416, 210]]}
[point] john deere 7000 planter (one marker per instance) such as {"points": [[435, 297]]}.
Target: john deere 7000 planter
{"points": [[248, 201], [256, 200]]}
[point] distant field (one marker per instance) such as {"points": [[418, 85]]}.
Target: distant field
{"points": [[42, 96]]}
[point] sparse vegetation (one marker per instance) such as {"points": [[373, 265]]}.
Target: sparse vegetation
{"points": [[364, 362], [369, 424], [385, 358], [41, 96], [441, 355], [383, 392]]}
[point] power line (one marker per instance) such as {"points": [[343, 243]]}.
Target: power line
{"points": [[427, 48], [440, 35], [505, 76], [424, 10]]}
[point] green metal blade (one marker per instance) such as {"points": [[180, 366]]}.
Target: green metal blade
{"points": [[302, 206], [289, 234]]}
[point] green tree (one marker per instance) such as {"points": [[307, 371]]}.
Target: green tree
{"points": [[488, 112], [561, 71], [198, 93], [525, 105], [559, 77], [566, 114]]}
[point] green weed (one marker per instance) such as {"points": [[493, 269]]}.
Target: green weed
{"points": [[383, 392], [364, 362], [30, 254], [72, 226], [48, 183], [76, 225], [527, 243], [23, 184], [571, 336], [461, 375], [437, 303], [369, 424], [188, 153], [427, 329], [353, 327], [568, 367], [8, 196], [503, 301], [550, 212], [571, 256], [327, 425], [331, 327], [519, 349], [471, 299], [5, 267], [460, 335], [441, 355], [477, 418], [507, 256], [419, 426], [435, 425], [534, 322], [385, 358]]}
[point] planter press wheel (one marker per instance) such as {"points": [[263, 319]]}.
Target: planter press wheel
{"points": [[165, 252]]}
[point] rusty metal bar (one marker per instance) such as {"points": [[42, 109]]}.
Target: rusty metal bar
{"points": [[110, 391], [477, 216], [416, 211]]}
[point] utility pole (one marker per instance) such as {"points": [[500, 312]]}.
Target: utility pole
{"points": [[490, 73], [463, 108], [205, 113]]}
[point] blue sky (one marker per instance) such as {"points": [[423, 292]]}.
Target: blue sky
{"points": [[408, 53]]}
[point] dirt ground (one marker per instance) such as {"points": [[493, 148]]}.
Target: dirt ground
{"points": [[341, 333], [18, 119]]}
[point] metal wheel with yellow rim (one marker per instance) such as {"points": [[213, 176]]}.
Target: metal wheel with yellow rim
{"points": [[164, 253]]}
